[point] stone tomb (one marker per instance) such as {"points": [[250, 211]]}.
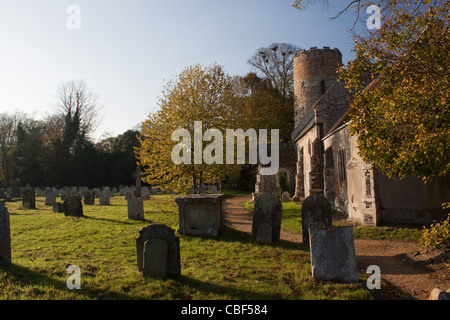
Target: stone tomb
{"points": [[158, 251], [73, 207], [333, 256], [316, 212], [200, 214], [267, 213], [135, 209], [5, 235]]}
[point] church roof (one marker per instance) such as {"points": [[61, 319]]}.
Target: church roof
{"points": [[307, 122]]}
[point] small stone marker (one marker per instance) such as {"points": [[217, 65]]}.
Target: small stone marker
{"points": [[73, 207], [333, 256], [89, 197], [316, 212], [29, 198], [135, 209], [285, 196], [268, 210], [5, 235], [155, 258], [152, 255]]}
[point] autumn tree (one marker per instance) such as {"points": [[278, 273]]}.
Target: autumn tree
{"points": [[197, 94], [402, 120]]}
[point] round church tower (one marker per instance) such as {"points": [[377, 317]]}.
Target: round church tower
{"points": [[315, 70]]}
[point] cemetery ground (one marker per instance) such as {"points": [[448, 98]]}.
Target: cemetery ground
{"points": [[230, 266]]}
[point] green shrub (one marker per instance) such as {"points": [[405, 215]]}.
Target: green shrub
{"points": [[437, 235]]}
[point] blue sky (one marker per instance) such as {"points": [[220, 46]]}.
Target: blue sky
{"points": [[127, 50]]}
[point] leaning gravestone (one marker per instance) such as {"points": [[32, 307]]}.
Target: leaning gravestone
{"points": [[333, 256], [29, 198], [158, 251], [268, 210], [316, 212], [135, 209], [73, 207], [89, 197], [5, 235]]}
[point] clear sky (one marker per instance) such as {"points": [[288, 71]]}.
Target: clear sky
{"points": [[126, 49]]}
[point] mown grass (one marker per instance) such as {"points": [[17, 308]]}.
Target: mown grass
{"points": [[291, 221], [102, 244]]}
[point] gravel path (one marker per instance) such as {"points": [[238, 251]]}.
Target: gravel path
{"points": [[406, 272]]}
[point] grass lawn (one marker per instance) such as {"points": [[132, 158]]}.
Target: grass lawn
{"points": [[102, 244]]}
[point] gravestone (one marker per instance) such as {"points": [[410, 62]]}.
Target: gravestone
{"points": [[5, 235], [155, 258], [333, 256], [89, 197], [145, 193], [158, 258], [15, 188], [73, 207], [58, 207], [29, 198], [264, 233], [135, 209], [50, 197], [285, 196], [267, 210], [104, 198], [316, 212], [213, 189]]}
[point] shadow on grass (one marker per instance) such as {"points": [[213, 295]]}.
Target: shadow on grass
{"points": [[215, 289], [229, 234], [26, 278]]}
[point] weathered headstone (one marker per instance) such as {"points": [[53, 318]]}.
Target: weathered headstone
{"points": [[285, 196], [64, 194], [89, 197], [58, 207], [29, 198], [333, 256], [73, 207], [105, 197], [264, 233], [155, 256], [267, 210], [213, 189], [316, 212], [135, 209], [5, 235], [50, 197]]}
